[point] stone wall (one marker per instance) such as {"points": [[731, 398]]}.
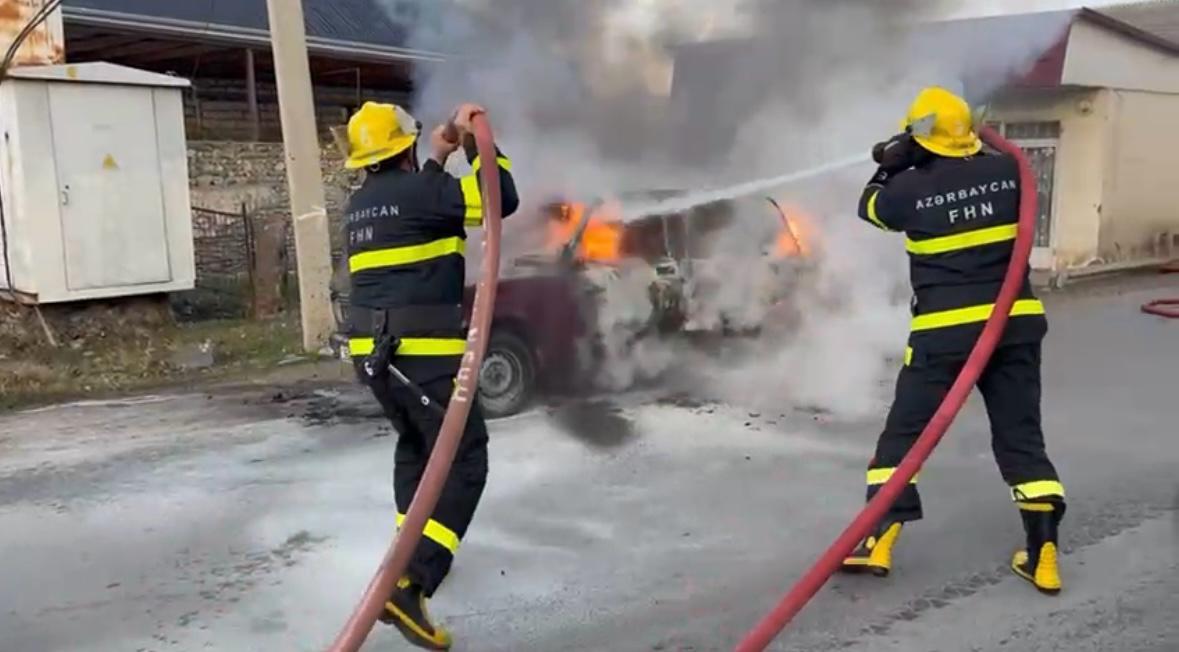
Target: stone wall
{"points": [[223, 175], [232, 182]]}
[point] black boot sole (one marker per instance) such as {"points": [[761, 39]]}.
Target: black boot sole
{"points": [[1021, 574], [412, 637], [864, 569]]}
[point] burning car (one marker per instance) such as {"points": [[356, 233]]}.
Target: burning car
{"points": [[602, 283]]}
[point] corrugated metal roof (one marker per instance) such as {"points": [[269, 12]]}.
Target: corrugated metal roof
{"points": [[1160, 17], [331, 24]]}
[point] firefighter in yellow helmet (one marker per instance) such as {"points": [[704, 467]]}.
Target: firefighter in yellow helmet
{"points": [[958, 207], [406, 238]]}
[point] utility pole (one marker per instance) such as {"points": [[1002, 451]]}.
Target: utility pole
{"points": [[304, 177]]}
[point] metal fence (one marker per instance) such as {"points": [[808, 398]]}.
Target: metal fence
{"points": [[244, 264]]}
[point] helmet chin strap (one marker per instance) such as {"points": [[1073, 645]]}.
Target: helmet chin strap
{"points": [[413, 150], [413, 157]]}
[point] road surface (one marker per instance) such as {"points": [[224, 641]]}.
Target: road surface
{"points": [[243, 519]]}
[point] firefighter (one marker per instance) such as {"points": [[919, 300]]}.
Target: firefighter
{"points": [[405, 242], [958, 208]]}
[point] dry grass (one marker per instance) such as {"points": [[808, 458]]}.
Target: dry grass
{"points": [[139, 358]]}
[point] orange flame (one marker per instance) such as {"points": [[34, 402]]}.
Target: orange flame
{"points": [[796, 237], [602, 239]]}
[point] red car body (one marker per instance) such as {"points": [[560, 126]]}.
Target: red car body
{"points": [[544, 319]]}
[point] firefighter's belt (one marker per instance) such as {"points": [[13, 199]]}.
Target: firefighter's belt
{"points": [[440, 319]]}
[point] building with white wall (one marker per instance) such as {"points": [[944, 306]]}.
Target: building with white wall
{"points": [[1096, 114]]}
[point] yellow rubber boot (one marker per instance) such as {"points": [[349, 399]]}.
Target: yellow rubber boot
{"points": [[1038, 563], [406, 610], [874, 555]]}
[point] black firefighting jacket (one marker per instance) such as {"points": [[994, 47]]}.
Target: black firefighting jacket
{"points": [[959, 218], [406, 241]]}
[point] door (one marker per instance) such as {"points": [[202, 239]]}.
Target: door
{"points": [[112, 203]]}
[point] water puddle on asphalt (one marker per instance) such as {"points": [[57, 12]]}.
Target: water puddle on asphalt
{"points": [[598, 424]]}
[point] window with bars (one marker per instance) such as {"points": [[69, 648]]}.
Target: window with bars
{"points": [[1039, 141], [1032, 130]]}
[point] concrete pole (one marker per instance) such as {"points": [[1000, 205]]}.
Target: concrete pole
{"points": [[301, 141], [252, 97]]}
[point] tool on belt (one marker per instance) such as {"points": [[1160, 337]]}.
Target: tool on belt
{"points": [[385, 326], [380, 362]]}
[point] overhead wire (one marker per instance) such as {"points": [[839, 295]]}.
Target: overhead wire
{"points": [[35, 21], [39, 17]]}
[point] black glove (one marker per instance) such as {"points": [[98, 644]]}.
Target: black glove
{"points": [[896, 154]]}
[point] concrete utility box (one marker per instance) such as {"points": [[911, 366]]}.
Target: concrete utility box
{"points": [[94, 181]]}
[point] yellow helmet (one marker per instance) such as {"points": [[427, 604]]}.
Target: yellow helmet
{"points": [[378, 132], [942, 123]]}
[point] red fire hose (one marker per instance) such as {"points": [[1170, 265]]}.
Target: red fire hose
{"points": [[1160, 307], [773, 623], [438, 468]]}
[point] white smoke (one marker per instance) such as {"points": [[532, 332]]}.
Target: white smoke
{"points": [[976, 8], [595, 98]]}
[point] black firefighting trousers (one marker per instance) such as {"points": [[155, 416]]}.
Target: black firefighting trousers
{"points": [[417, 427], [1010, 386]]}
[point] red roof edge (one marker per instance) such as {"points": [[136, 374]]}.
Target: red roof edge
{"points": [[1048, 70]]}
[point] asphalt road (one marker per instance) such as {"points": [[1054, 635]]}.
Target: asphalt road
{"points": [[243, 520]]}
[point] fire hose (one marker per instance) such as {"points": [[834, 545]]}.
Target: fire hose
{"points": [[792, 603], [402, 547], [1161, 307]]}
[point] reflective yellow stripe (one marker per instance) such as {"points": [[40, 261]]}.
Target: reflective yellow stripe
{"points": [[358, 346], [1037, 489], [438, 533], [908, 355], [473, 200], [504, 163], [471, 195], [960, 241], [880, 476], [872, 211], [412, 346], [973, 314], [432, 346], [397, 256], [1035, 507]]}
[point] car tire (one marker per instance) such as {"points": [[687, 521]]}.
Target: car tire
{"points": [[507, 379]]}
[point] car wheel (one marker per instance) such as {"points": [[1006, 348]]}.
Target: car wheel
{"points": [[508, 376]]}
